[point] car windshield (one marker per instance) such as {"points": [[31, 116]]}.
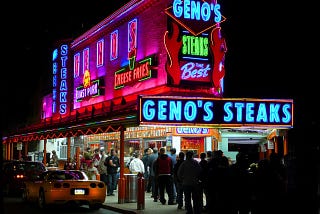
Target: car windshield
{"points": [[65, 175], [25, 167]]}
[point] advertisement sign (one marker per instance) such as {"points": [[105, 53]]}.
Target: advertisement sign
{"points": [[195, 45], [216, 112]]}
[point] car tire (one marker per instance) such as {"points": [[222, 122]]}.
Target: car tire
{"points": [[95, 206], [41, 200]]}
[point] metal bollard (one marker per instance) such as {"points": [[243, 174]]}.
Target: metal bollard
{"points": [[140, 199]]}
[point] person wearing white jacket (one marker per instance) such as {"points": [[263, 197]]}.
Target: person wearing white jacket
{"points": [[136, 165]]}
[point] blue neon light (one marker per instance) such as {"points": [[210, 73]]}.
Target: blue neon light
{"points": [[212, 111]]}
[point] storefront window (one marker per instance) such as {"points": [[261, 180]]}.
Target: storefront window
{"points": [[196, 144]]}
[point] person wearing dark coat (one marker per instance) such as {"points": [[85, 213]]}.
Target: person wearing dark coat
{"points": [[177, 181], [163, 167], [189, 172], [152, 178]]}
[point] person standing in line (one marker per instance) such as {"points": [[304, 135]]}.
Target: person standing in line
{"points": [[173, 157], [209, 155], [145, 159], [241, 187], [112, 162], [92, 171], [177, 181], [102, 169], [213, 158], [189, 172], [153, 179], [136, 165], [164, 172], [203, 179], [96, 158], [152, 158]]}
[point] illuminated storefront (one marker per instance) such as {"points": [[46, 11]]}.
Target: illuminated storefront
{"points": [[133, 82]]}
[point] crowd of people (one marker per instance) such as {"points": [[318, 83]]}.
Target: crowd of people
{"points": [[212, 184], [106, 165], [99, 165]]}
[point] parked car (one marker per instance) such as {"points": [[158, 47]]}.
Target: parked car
{"points": [[16, 173], [65, 187]]}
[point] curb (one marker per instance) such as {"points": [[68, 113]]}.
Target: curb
{"points": [[118, 209]]}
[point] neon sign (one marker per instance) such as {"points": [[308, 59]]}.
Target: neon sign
{"points": [[54, 80], [89, 88], [134, 72], [193, 50], [100, 51], [195, 46], [196, 71], [196, 10], [132, 35], [215, 112], [91, 91], [132, 42], [85, 59], [193, 54], [86, 79], [192, 130], [195, 16], [60, 79], [114, 45], [63, 76], [76, 65]]}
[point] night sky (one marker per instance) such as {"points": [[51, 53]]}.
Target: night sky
{"points": [[271, 51]]}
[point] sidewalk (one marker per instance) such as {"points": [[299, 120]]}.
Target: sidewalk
{"points": [[151, 207]]}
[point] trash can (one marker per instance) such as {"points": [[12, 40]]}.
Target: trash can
{"points": [[131, 190]]}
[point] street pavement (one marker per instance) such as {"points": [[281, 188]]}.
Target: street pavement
{"points": [[150, 207]]}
